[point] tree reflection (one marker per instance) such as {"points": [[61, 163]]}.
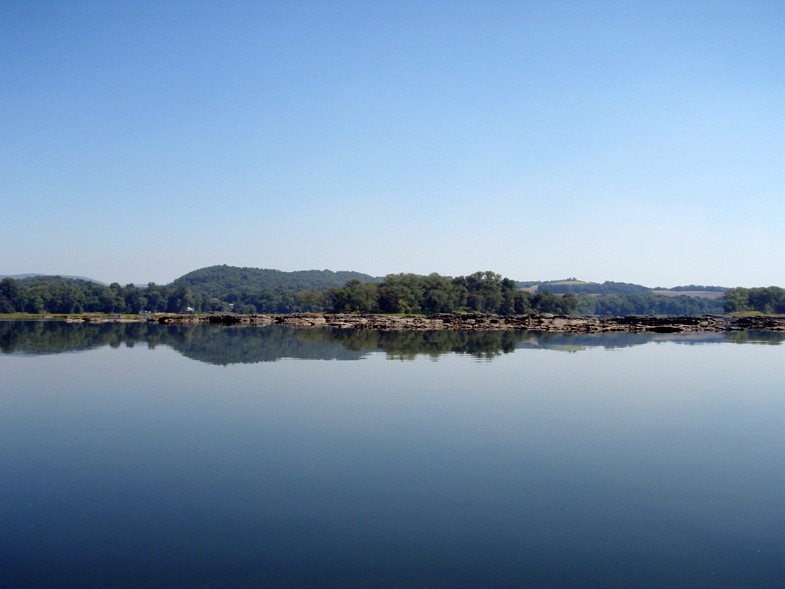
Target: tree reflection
{"points": [[215, 344]]}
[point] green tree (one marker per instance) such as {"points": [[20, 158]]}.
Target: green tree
{"points": [[402, 293], [135, 301], [155, 299], [179, 300], [11, 299], [484, 291], [356, 296]]}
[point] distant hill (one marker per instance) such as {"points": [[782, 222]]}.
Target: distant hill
{"points": [[581, 287], [700, 294], [221, 280], [50, 278], [18, 276], [619, 288], [695, 288]]}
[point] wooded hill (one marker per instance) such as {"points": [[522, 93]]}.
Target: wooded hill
{"points": [[224, 288], [576, 286], [224, 281]]}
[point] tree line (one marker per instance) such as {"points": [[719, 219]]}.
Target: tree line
{"points": [[485, 292], [612, 305], [490, 293], [606, 288], [770, 299], [53, 294]]}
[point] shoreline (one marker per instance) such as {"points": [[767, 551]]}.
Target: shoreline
{"points": [[472, 322]]}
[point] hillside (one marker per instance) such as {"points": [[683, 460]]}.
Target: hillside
{"points": [[50, 278], [620, 288], [219, 281]]}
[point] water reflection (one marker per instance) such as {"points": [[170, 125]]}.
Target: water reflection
{"points": [[245, 345], [653, 466]]}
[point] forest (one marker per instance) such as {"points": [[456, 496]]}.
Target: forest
{"points": [[770, 299], [223, 289]]}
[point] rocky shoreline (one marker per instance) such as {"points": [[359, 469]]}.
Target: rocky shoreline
{"points": [[488, 322]]}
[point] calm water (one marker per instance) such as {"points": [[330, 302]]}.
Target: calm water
{"points": [[146, 456]]}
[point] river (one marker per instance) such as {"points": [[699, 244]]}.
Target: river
{"points": [[166, 456]]}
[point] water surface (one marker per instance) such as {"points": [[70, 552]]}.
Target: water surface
{"points": [[150, 456]]}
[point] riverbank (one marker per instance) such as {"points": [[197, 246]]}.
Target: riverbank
{"points": [[488, 322], [457, 322]]}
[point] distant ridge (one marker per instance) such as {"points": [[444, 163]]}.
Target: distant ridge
{"points": [[575, 286], [52, 277]]}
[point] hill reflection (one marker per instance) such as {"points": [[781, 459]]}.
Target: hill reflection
{"points": [[221, 345]]}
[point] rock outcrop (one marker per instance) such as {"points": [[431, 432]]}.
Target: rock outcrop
{"points": [[487, 322]]}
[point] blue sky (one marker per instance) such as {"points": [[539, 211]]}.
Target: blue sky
{"points": [[630, 141]]}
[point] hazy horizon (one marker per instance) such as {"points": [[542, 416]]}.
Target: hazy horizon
{"points": [[638, 142]]}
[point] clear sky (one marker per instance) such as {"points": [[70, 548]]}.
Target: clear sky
{"points": [[630, 141]]}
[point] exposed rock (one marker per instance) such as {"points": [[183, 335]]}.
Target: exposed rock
{"points": [[184, 319], [487, 322], [761, 322], [301, 319]]}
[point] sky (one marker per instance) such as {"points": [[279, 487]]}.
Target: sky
{"points": [[630, 141]]}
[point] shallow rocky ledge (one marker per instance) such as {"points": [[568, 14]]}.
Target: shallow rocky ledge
{"points": [[482, 321]]}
